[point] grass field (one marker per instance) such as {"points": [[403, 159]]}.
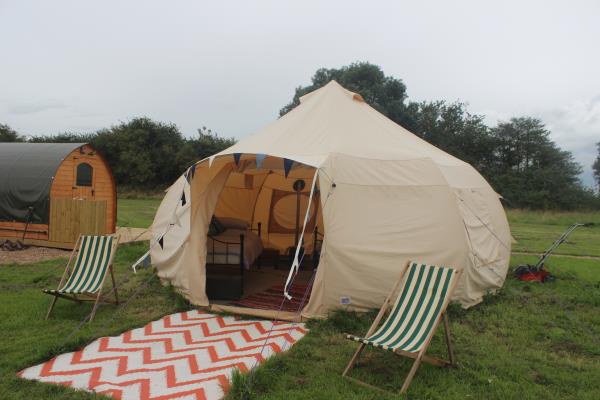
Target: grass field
{"points": [[136, 213], [530, 341], [536, 230]]}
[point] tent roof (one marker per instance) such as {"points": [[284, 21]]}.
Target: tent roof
{"points": [[333, 120], [26, 174]]}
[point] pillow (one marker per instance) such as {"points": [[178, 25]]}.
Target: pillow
{"points": [[233, 223], [215, 227]]}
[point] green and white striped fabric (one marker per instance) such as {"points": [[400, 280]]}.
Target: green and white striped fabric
{"points": [[90, 267], [423, 294]]}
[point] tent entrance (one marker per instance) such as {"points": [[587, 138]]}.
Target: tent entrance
{"points": [[252, 240], [263, 292]]}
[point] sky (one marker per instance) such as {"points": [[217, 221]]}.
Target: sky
{"points": [[79, 66]]}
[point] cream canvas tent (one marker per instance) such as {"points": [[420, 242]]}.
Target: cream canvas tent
{"points": [[382, 196]]}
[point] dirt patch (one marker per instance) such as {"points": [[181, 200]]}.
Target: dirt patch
{"points": [[31, 255]]}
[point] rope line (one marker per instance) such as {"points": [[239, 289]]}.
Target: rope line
{"points": [[292, 324], [281, 308], [121, 306], [483, 223], [294, 273], [124, 281]]}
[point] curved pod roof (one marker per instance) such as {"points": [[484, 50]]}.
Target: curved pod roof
{"points": [[26, 174]]}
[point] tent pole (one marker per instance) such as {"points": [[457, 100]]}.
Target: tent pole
{"points": [[262, 185], [297, 218]]}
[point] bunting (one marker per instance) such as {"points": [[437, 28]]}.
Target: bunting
{"points": [[259, 160], [183, 200], [287, 166], [189, 173], [236, 157], [161, 242]]}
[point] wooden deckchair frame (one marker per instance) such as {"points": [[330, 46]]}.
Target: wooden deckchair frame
{"points": [[419, 356], [82, 297]]}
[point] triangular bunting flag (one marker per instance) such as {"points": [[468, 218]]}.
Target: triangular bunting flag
{"points": [[236, 157], [161, 242], [259, 160], [193, 170], [287, 166], [186, 175], [183, 201], [210, 161]]}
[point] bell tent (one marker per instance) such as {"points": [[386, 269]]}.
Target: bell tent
{"points": [[337, 182]]}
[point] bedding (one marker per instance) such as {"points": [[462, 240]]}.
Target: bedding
{"points": [[216, 227], [230, 254], [233, 223]]}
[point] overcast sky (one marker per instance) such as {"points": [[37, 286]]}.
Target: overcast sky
{"points": [[82, 65]]}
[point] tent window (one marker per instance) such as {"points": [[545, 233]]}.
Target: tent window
{"points": [[84, 174]]}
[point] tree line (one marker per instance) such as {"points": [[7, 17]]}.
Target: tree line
{"points": [[596, 167], [517, 156], [144, 155]]}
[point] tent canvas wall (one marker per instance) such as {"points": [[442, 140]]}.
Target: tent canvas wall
{"points": [[386, 197]]}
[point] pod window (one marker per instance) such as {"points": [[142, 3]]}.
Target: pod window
{"points": [[84, 174]]}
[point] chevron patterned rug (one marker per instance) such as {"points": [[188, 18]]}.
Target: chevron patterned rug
{"points": [[188, 355]]}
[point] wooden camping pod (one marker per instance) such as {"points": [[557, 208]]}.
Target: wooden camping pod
{"points": [[73, 187]]}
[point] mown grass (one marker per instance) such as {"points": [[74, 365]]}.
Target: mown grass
{"points": [[27, 339], [136, 213], [535, 231], [529, 341]]}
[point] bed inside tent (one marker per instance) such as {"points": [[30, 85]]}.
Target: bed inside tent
{"points": [[258, 221]]}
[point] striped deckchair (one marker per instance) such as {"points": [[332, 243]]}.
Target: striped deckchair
{"points": [[84, 281], [413, 318]]}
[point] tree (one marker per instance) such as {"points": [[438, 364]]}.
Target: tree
{"points": [[384, 93], [596, 167], [530, 170], [206, 144], [7, 134], [517, 157], [448, 126], [453, 129], [64, 137], [142, 153]]}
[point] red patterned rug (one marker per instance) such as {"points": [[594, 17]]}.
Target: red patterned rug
{"points": [[271, 298], [189, 355]]}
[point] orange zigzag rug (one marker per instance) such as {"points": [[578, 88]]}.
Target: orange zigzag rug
{"points": [[188, 355]]}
